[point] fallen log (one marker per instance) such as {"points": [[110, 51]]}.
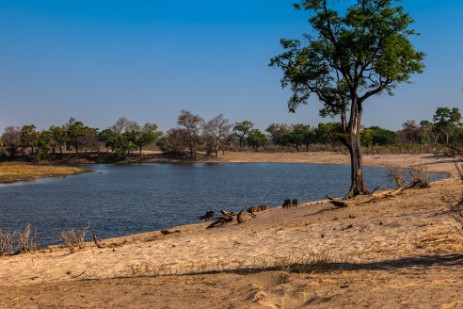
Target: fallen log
{"points": [[335, 202], [97, 242], [219, 222]]}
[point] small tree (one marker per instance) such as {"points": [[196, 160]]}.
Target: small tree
{"points": [[358, 52]]}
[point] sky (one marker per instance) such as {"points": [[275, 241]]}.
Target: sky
{"points": [[98, 60]]}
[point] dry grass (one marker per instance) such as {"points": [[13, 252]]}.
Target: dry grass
{"points": [[6, 242], [74, 239], [13, 172], [26, 239]]}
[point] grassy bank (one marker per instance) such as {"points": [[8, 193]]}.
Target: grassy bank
{"points": [[14, 172]]}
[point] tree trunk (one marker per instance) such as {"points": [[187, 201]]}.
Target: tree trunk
{"points": [[358, 186], [352, 142]]}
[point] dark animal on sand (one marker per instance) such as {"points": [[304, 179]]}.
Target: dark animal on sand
{"points": [[294, 203], [287, 203], [209, 216]]}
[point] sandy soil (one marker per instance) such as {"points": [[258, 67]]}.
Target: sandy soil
{"points": [[404, 251]]}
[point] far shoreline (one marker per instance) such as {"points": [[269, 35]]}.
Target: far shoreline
{"points": [[431, 163]]}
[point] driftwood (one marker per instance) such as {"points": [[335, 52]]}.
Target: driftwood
{"points": [[97, 242], [101, 246], [229, 213], [167, 232], [335, 202], [243, 216], [229, 216], [220, 221]]}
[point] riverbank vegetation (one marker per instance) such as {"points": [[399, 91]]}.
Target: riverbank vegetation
{"points": [[195, 138]]}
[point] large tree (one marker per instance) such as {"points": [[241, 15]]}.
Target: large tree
{"points": [[356, 53]]}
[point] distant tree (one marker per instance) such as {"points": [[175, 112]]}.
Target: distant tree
{"points": [[146, 135], [376, 136], [447, 122], [79, 135], [191, 125], [293, 138], [276, 130], [122, 136], [216, 132], [58, 139], [329, 133], [242, 129], [410, 132], [175, 142], [44, 141], [256, 139], [29, 137], [426, 134], [11, 138], [355, 53], [296, 136]]}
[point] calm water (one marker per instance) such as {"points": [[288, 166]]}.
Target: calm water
{"points": [[118, 200]]}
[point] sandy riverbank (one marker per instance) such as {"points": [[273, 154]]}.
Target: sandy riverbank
{"points": [[398, 252]]}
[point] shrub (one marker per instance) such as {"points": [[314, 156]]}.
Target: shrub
{"points": [[26, 239], [6, 242], [73, 238]]}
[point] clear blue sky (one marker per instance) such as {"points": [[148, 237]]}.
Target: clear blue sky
{"points": [[98, 60]]}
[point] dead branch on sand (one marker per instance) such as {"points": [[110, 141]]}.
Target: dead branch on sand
{"points": [[336, 202]]}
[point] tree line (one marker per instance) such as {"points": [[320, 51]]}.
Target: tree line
{"points": [[194, 134]]}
